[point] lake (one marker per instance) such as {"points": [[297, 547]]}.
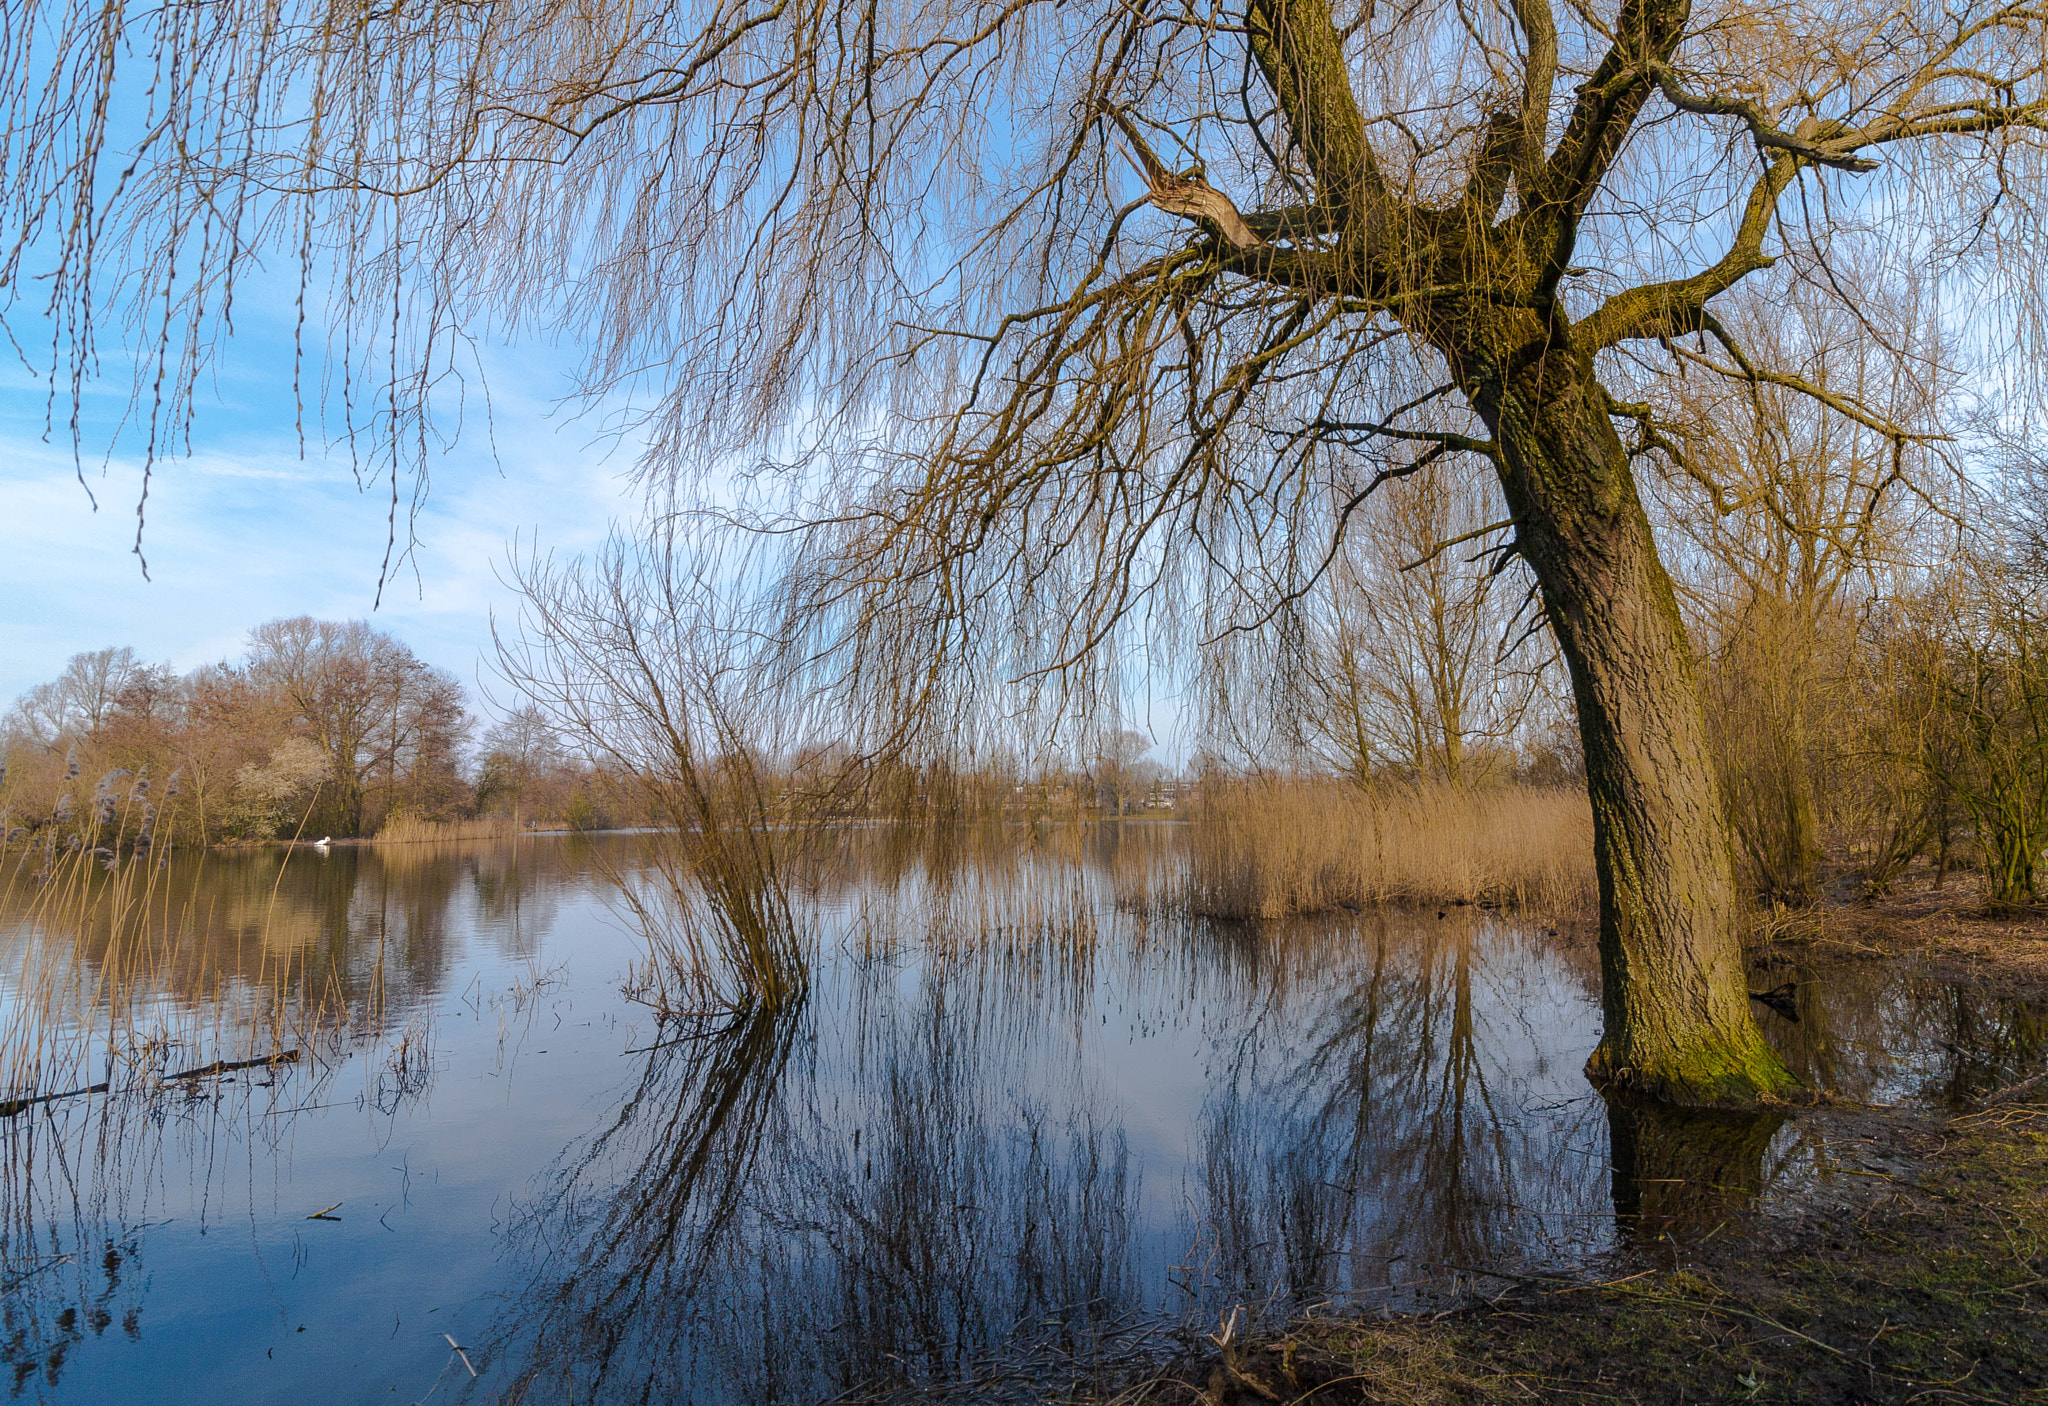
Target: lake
{"points": [[1029, 1131]]}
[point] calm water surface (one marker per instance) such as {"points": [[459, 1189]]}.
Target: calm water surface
{"points": [[1020, 1131]]}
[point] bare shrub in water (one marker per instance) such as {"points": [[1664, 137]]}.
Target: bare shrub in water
{"points": [[1272, 848], [634, 658]]}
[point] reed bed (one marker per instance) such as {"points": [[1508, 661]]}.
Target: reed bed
{"points": [[407, 828], [128, 972], [1274, 849]]}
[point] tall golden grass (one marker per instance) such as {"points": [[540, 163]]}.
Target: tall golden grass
{"points": [[409, 828], [1262, 849], [107, 979]]}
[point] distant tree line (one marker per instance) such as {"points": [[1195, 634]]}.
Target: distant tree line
{"points": [[320, 728], [335, 727]]}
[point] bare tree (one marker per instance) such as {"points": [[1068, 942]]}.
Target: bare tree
{"points": [[637, 660], [1115, 770], [78, 702], [376, 711], [1026, 409], [1407, 642], [1808, 515], [517, 749]]}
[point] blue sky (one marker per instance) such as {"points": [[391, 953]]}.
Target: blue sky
{"points": [[246, 530]]}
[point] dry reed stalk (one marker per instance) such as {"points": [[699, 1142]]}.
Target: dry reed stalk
{"points": [[1272, 849], [107, 975]]}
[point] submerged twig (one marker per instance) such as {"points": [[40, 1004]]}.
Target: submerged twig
{"points": [[461, 1354], [224, 1066], [49, 1262]]}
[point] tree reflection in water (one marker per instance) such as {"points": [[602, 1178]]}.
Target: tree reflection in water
{"points": [[1023, 1130], [642, 1248], [233, 955], [880, 1192], [724, 1238], [1681, 1174], [1389, 1152]]}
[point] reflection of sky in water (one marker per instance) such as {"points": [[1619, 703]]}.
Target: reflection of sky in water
{"points": [[1086, 1122]]}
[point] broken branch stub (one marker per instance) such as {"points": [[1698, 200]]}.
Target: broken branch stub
{"points": [[1187, 196]]}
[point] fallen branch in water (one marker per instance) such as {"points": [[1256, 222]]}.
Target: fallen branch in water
{"points": [[10, 1107], [222, 1066], [13, 1106]]}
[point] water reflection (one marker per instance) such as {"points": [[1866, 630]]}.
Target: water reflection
{"points": [[1884, 1033], [1027, 1146], [647, 1210], [763, 1221], [248, 951], [1682, 1174], [1022, 1127], [1421, 1126], [82, 1184], [326, 957]]}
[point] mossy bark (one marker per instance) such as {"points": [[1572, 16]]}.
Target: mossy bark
{"points": [[1678, 1021]]}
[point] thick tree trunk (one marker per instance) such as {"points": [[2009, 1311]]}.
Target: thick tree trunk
{"points": [[1678, 1019]]}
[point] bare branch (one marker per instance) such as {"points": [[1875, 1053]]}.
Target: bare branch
{"points": [[1767, 133], [1187, 196]]}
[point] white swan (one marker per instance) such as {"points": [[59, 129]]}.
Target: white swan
{"points": [[321, 844]]}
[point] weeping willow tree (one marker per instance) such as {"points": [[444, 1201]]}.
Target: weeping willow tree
{"points": [[1047, 330]]}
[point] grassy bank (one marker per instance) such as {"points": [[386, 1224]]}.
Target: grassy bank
{"points": [[1273, 849], [1929, 1284]]}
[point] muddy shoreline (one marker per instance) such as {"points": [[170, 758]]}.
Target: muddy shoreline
{"points": [[1953, 932], [1918, 1272]]}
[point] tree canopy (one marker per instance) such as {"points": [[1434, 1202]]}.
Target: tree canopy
{"points": [[968, 254]]}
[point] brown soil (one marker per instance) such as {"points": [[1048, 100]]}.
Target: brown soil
{"points": [[1952, 930]]}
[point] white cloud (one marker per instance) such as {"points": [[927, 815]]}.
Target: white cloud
{"points": [[244, 531]]}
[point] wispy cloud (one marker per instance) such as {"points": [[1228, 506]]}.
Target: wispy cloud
{"points": [[244, 530]]}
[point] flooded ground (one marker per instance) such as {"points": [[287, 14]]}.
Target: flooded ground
{"points": [[1021, 1130]]}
